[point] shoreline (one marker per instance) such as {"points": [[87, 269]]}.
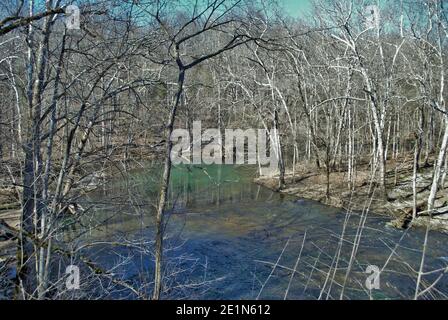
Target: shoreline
{"points": [[311, 185]]}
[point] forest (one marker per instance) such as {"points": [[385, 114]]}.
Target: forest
{"points": [[351, 98]]}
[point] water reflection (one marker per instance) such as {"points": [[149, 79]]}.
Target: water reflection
{"points": [[226, 235]]}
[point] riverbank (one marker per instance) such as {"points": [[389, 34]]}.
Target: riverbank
{"points": [[9, 214], [306, 183]]}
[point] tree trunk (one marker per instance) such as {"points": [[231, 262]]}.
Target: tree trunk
{"points": [[438, 168], [164, 190], [414, 181], [281, 163]]}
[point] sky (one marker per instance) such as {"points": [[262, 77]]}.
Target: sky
{"points": [[296, 8]]}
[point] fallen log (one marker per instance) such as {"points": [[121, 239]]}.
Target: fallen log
{"points": [[9, 206]]}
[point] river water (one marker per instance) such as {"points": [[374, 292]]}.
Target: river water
{"points": [[228, 238]]}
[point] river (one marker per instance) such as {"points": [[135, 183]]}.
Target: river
{"points": [[228, 238]]}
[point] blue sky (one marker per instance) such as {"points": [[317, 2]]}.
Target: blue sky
{"points": [[296, 8]]}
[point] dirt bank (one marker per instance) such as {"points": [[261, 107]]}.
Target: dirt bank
{"points": [[306, 183]]}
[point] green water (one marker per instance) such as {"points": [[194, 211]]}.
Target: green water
{"points": [[225, 234]]}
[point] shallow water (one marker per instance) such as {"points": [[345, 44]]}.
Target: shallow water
{"points": [[225, 234]]}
